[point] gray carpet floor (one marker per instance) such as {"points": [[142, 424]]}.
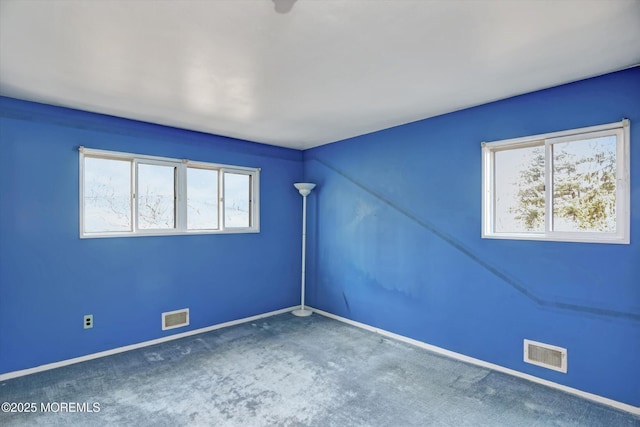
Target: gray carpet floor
{"points": [[289, 371]]}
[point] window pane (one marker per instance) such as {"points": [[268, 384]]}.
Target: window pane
{"points": [[202, 199], [584, 185], [519, 190], [156, 196], [236, 200], [107, 195]]}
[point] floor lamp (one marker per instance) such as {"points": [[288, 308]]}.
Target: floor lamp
{"points": [[304, 188]]}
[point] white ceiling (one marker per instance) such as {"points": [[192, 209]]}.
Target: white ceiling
{"points": [[325, 70]]}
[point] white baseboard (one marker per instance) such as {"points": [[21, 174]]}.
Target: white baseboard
{"points": [[92, 356], [590, 396]]}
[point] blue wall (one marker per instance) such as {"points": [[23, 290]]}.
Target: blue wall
{"points": [[49, 278], [394, 242]]}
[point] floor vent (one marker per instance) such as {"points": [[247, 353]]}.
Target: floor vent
{"points": [[175, 319], [548, 356]]}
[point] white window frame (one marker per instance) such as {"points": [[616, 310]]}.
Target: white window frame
{"points": [[623, 190], [180, 184]]}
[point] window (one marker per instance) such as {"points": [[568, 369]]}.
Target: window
{"points": [[124, 194], [565, 186], [156, 196], [236, 208], [202, 199]]}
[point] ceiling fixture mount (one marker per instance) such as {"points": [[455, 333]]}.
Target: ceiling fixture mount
{"points": [[283, 6]]}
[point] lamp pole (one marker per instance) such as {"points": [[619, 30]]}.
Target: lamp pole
{"points": [[304, 188]]}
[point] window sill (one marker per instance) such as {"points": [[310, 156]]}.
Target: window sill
{"points": [[168, 233]]}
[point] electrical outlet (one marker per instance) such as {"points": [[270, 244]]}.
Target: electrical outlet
{"points": [[88, 321]]}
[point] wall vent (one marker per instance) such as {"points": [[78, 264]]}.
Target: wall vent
{"points": [[175, 319], [548, 356]]}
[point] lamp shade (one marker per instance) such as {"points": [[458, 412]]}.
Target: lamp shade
{"points": [[304, 187]]}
